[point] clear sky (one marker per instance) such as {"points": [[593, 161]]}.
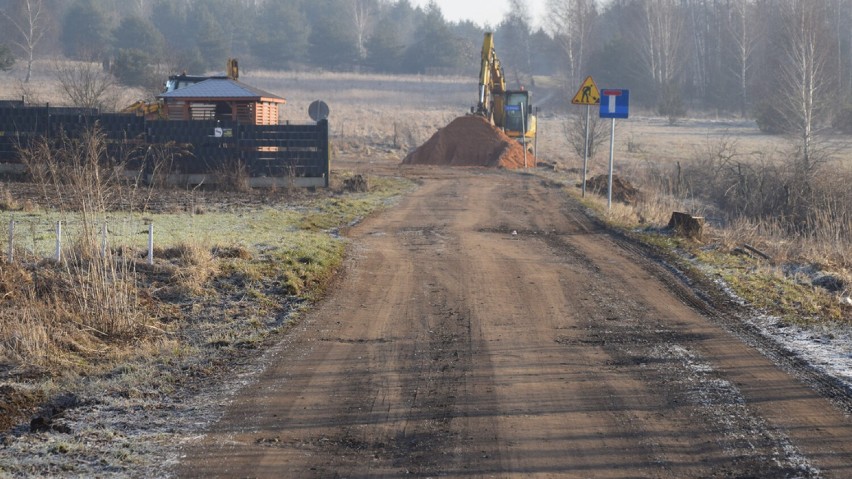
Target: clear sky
{"points": [[481, 11]]}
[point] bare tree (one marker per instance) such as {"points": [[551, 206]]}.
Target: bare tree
{"points": [[744, 33], [843, 41], [363, 17], [86, 84], [514, 45], [804, 77], [699, 16], [571, 22], [575, 131], [30, 24], [661, 42]]}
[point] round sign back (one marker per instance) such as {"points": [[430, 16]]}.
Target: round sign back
{"points": [[318, 110]]}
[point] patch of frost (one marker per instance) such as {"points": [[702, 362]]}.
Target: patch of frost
{"points": [[827, 348]]}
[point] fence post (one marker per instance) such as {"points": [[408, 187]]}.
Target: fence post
{"points": [[325, 150], [58, 255], [11, 255], [104, 240], [151, 243]]}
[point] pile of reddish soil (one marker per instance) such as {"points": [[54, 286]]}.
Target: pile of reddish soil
{"points": [[622, 190], [471, 141]]}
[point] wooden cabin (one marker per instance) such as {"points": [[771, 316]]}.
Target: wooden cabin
{"points": [[222, 99]]}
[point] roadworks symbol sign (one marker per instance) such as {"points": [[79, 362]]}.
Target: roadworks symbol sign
{"points": [[588, 94]]}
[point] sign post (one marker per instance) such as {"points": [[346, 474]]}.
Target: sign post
{"points": [[615, 104], [586, 149], [588, 95]]}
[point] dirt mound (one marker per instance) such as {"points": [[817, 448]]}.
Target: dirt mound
{"points": [[622, 190], [470, 141]]}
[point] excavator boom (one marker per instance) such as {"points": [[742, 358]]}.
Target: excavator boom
{"points": [[492, 83]]}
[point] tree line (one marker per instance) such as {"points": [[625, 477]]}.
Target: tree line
{"points": [[786, 62], [197, 35], [751, 57]]}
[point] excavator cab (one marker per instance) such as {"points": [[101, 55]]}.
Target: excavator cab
{"points": [[519, 122]]}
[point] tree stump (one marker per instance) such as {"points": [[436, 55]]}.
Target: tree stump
{"points": [[684, 224]]}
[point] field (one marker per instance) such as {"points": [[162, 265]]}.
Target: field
{"points": [[235, 270]]}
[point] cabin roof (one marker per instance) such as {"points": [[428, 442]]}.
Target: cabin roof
{"points": [[218, 89]]}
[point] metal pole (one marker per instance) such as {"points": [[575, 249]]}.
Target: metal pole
{"points": [[535, 140], [586, 150], [524, 131], [611, 152]]}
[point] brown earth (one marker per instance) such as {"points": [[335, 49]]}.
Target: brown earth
{"points": [[622, 190], [486, 328], [16, 404], [471, 141]]}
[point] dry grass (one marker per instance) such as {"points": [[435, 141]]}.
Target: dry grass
{"points": [[7, 202], [183, 270], [75, 307], [60, 313], [752, 192]]}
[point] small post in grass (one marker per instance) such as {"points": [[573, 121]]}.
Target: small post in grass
{"points": [[151, 243], [58, 254]]}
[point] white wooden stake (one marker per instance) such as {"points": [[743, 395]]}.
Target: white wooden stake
{"points": [[151, 243], [58, 254]]}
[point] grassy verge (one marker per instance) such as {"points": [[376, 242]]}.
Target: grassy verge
{"points": [[775, 286], [222, 283]]}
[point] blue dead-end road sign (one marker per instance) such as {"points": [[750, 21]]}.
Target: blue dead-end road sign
{"points": [[615, 103]]}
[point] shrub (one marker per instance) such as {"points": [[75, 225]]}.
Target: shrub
{"points": [[671, 104], [769, 118]]}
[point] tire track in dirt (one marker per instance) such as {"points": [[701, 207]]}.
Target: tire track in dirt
{"points": [[486, 328]]}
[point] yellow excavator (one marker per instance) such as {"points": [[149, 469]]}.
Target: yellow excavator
{"points": [[509, 110], [148, 109]]}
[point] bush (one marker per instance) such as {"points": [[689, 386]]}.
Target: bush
{"points": [[671, 104], [7, 60], [769, 118], [132, 68]]}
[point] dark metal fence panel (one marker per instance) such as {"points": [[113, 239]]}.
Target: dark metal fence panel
{"points": [[207, 146]]}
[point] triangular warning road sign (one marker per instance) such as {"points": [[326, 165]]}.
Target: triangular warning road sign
{"points": [[588, 94]]}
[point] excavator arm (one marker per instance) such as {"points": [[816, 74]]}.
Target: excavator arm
{"points": [[492, 82]]}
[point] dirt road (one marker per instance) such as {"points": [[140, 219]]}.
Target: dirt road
{"points": [[486, 328]]}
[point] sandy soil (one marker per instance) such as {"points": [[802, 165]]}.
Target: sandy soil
{"points": [[487, 328], [471, 141]]}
